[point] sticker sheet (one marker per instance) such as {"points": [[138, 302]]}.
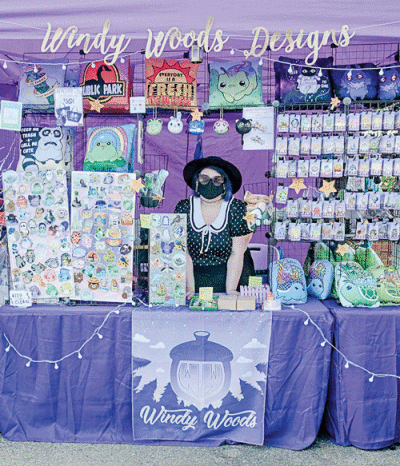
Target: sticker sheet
{"points": [[167, 259], [102, 218], [36, 206]]}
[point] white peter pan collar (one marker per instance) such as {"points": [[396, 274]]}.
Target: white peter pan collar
{"points": [[199, 225]]}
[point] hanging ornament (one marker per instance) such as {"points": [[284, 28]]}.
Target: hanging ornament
{"points": [[154, 125], [335, 101], [243, 126], [196, 114], [175, 125], [221, 126], [196, 127]]}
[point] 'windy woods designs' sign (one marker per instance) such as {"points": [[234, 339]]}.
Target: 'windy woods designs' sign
{"points": [[171, 83], [204, 378]]}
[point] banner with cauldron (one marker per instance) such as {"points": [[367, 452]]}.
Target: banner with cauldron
{"points": [[171, 83], [199, 377]]}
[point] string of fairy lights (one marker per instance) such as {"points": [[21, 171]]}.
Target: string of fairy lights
{"points": [[97, 330]]}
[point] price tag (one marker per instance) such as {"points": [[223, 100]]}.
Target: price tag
{"points": [[206, 294], [10, 115], [255, 281], [137, 105], [145, 220], [20, 298]]}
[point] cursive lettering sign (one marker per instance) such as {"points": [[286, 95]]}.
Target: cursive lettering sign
{"points": [[182, 417], [118, 45], [114, 46], [242, 419], [313, 41]]}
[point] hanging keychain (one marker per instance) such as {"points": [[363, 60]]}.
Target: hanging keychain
{"points": [[315, 231], [282, 123], [221, 126], [154, 125]]}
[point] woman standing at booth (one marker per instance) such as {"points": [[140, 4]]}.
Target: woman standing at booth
{"points": [[218, 235]]}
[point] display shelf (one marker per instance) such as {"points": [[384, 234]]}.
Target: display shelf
{"points": [[370, 183]]}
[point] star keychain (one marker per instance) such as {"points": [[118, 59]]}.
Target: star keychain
{"points": [[342, 249], [328, 187], [96, 105], [335, 101], [196, 114], [249, 217], [137, 185], [298, 184]]}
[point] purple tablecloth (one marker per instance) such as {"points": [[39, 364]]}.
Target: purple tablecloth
{"points": [[88, 399], [359, 412]]}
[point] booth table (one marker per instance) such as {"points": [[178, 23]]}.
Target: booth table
{"points": [[359, 412], [89, 399]]}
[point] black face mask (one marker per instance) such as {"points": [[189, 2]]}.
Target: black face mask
{"points": [[209, 190]]}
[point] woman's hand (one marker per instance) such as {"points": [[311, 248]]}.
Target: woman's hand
{"points": [[235, 262], [190, 288], [190, 293]]}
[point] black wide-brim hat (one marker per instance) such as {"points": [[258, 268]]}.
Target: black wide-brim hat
{"points": [[197, 165]]}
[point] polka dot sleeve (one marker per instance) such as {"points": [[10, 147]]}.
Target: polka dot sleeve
{"points": [[237, 224], [182, 207]]}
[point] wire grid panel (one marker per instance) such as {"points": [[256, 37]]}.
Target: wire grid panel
{"points": [[140, 258]]}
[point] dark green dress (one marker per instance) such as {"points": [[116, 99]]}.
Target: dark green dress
{"points": [[210, 246]]}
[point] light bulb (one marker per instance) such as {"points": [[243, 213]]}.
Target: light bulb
{"points": [[232, 52], [5, 65]]}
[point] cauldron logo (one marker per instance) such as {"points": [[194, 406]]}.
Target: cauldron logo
{"points": [[201, 370]]}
